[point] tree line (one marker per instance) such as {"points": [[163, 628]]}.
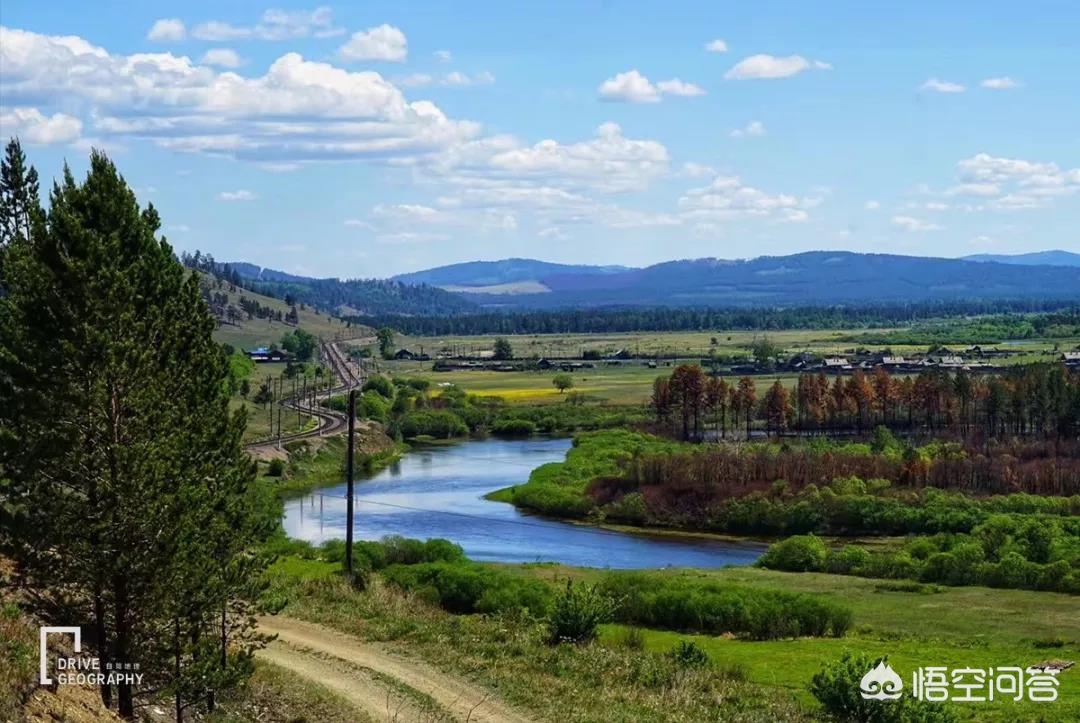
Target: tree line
{"points": [[1033, 399], [610, 320], [128, 504]]}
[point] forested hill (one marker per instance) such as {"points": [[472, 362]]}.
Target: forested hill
{"points": [[495, 273], [340, 297], [1038, 258], [814, 278]]}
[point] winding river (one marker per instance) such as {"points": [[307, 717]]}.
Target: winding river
{"points": [[439, 492]]}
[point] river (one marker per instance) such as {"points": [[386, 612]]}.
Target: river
{"points": [[439, 492]]}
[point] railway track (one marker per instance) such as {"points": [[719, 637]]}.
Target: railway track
{"points": [[330, 421]]}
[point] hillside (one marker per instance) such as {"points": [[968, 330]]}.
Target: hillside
{"points": [[358, 296], [1038, 258], [499, 275], [818, 277], [237, 311]]}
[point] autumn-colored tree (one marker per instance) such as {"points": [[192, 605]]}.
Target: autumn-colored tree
{"points": [[687, 387], [778, 409], [747, 400], [716, 399], [861, 393]]}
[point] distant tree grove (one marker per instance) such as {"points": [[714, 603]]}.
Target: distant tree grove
{"points": [[1036, 399], [127, 500]]}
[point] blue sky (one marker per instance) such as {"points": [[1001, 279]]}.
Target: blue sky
{"points": [[370, 139]]}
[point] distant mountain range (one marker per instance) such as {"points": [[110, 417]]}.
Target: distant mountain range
{"points": [[1039, 258], [806, 279], [501, 273]]}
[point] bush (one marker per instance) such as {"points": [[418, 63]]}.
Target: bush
{"points": [[837, 687], [276, 468], [467, 587], [373, 406], [514, 427], [848, 561], [440, 424], [688, 654], [801, 553], [381, 385], [672, 603], [578, 612]]}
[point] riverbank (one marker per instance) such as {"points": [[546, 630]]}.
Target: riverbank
{"points": [[438, 491], [628, 673]]}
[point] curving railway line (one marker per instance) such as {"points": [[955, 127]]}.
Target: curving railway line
{"points": [[330, 421]]}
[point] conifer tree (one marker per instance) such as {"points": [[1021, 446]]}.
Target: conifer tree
{"points": [[128, 491]]}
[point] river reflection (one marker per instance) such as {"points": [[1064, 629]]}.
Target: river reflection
{"points": [[438, 492]]}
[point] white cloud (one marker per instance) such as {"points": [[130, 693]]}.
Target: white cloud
{"points": [[463, 80], [273, 25], [764, 66], [983, 167], [298, 110], [727, 198], [697, 170], [552, 232], [410, 237], [914, 225], [443, 56], [358, 223], [384, 42], [751, 129], [985, 190], [238, 195], [1003, 83], [222, 58], [609, 161], [36, 129], [167, 29], [679, 88], [936, 206], [873, 205], [716, 46], [634, 87], [942, 86]]}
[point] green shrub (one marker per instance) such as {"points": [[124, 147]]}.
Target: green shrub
{"points": [[381, 385], [440, 424], [837, 687], [688, 654], [800, 553], [276, 468], [578, 612], [514, 427], [468, 587]]}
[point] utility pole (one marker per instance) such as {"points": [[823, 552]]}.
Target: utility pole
{"points": [[349, 483]]}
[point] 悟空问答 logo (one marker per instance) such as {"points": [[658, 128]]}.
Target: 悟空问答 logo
{"points": [[881, 683]]}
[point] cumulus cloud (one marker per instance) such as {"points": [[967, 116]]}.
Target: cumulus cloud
{"points": [[764, 66], [914, 225], [633, 87], [728, 198], [238, 195], [35, 128], [697, 170], [384, 42], [716, 46], [167, 29], [222, 58], [1003, 83], [298, 110], [942, 86], [273, 25], [751, 129]]}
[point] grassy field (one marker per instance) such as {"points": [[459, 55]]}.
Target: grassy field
{"points": [[952, 627], [630, 382], [695, 344]]}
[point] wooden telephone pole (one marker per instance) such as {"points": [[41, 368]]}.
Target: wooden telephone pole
{"points": [[349, 484]]}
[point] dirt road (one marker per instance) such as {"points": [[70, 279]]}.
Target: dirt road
{"points": [[383, 685]]}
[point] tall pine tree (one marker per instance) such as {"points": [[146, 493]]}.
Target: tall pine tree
{"points": [[127, 492]]}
